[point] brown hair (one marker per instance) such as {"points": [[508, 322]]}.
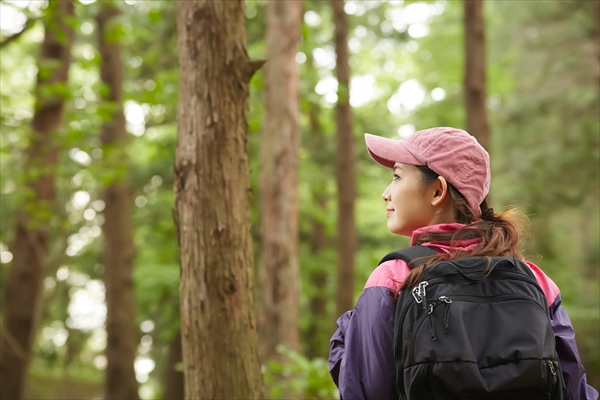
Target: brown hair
{"points": [[498, 234]]}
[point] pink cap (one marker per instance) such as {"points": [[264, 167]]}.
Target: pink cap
{"points": [[449, 152]]}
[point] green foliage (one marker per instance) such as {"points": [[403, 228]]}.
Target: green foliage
{"points": [[154, 286], [80, 383], [298, 377]]}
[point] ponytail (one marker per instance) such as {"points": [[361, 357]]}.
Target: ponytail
{"points": [[495, 234]]}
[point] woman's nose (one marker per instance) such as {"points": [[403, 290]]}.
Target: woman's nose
{"points": [[386, 194]]}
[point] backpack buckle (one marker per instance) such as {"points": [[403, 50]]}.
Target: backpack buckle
{"points": [[418, 292]]}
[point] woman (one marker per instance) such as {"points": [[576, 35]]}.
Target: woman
{"points": [[441, 177]]}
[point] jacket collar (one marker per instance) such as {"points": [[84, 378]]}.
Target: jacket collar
{"points": [[463, 245]]}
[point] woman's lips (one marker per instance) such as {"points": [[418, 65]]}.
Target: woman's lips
{"points": [[389, 212]]}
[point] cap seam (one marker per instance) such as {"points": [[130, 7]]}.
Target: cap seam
{"points": [[411, 153]]}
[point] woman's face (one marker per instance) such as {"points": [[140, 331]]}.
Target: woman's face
{"points": [[411, 204]]}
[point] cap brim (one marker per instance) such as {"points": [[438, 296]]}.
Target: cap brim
{"points": [[388, 152]]}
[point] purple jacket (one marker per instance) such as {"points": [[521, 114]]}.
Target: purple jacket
{"points": [[361, 358]]}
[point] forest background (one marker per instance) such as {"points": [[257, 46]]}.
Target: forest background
{"points": [[407, 69]]}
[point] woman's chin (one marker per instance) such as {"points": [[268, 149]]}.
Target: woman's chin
{"points": [[398, 230], [394, 228]]}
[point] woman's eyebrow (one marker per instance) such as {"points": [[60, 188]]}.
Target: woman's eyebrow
{"points": [[397, 167]]}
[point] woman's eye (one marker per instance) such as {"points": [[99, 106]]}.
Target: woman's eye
{"points": [[396, 177]]}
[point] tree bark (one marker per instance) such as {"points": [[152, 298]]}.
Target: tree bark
{"points": [[317, 344], [596, 30], [318, 278], [218, 327], [174, 382], [344, 168], [279, 270], [475, 86], [118, 248], [23, 288]]}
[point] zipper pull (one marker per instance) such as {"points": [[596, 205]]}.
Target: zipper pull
{"points": [[431, 306], [418, 292], [446, 300], [552, 370]]}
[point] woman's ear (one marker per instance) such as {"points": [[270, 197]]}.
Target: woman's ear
{"points": [[439, 191]]}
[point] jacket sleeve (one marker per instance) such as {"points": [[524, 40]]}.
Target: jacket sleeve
{"points": [[361, 359], [568, 355]]}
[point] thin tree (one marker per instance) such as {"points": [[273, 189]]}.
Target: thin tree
{"points": [[118, 248], [475, 85], [318, 241], [317, 342], [596, 30], [212, 212], [279, 271], [173, 376], [345, 167], [23, 288]]}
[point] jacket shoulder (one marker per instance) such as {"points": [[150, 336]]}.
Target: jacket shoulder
{"points": [[550, 288], [389, 274]]}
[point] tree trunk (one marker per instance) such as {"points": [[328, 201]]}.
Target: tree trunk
{"points": [[23, 288], [118, 249], [318, 302], [317, 344], [344, 168], [477, 123], [218, 327], [173, 375], [279, 271], [596, 30]]}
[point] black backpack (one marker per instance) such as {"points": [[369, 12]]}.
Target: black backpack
{"points": [[474, 329]]}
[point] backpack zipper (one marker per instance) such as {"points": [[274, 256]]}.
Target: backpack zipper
{"points": [[448, 277], [551, 378], [430, 307], [494, 274], [448, 301], [552, 370], [421, 320], [496, 298]]}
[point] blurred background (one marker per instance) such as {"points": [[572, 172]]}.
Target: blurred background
{"points": [[407, 63]]}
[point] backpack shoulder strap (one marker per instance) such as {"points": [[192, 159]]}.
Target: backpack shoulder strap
{"points": [[410, 254]]}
